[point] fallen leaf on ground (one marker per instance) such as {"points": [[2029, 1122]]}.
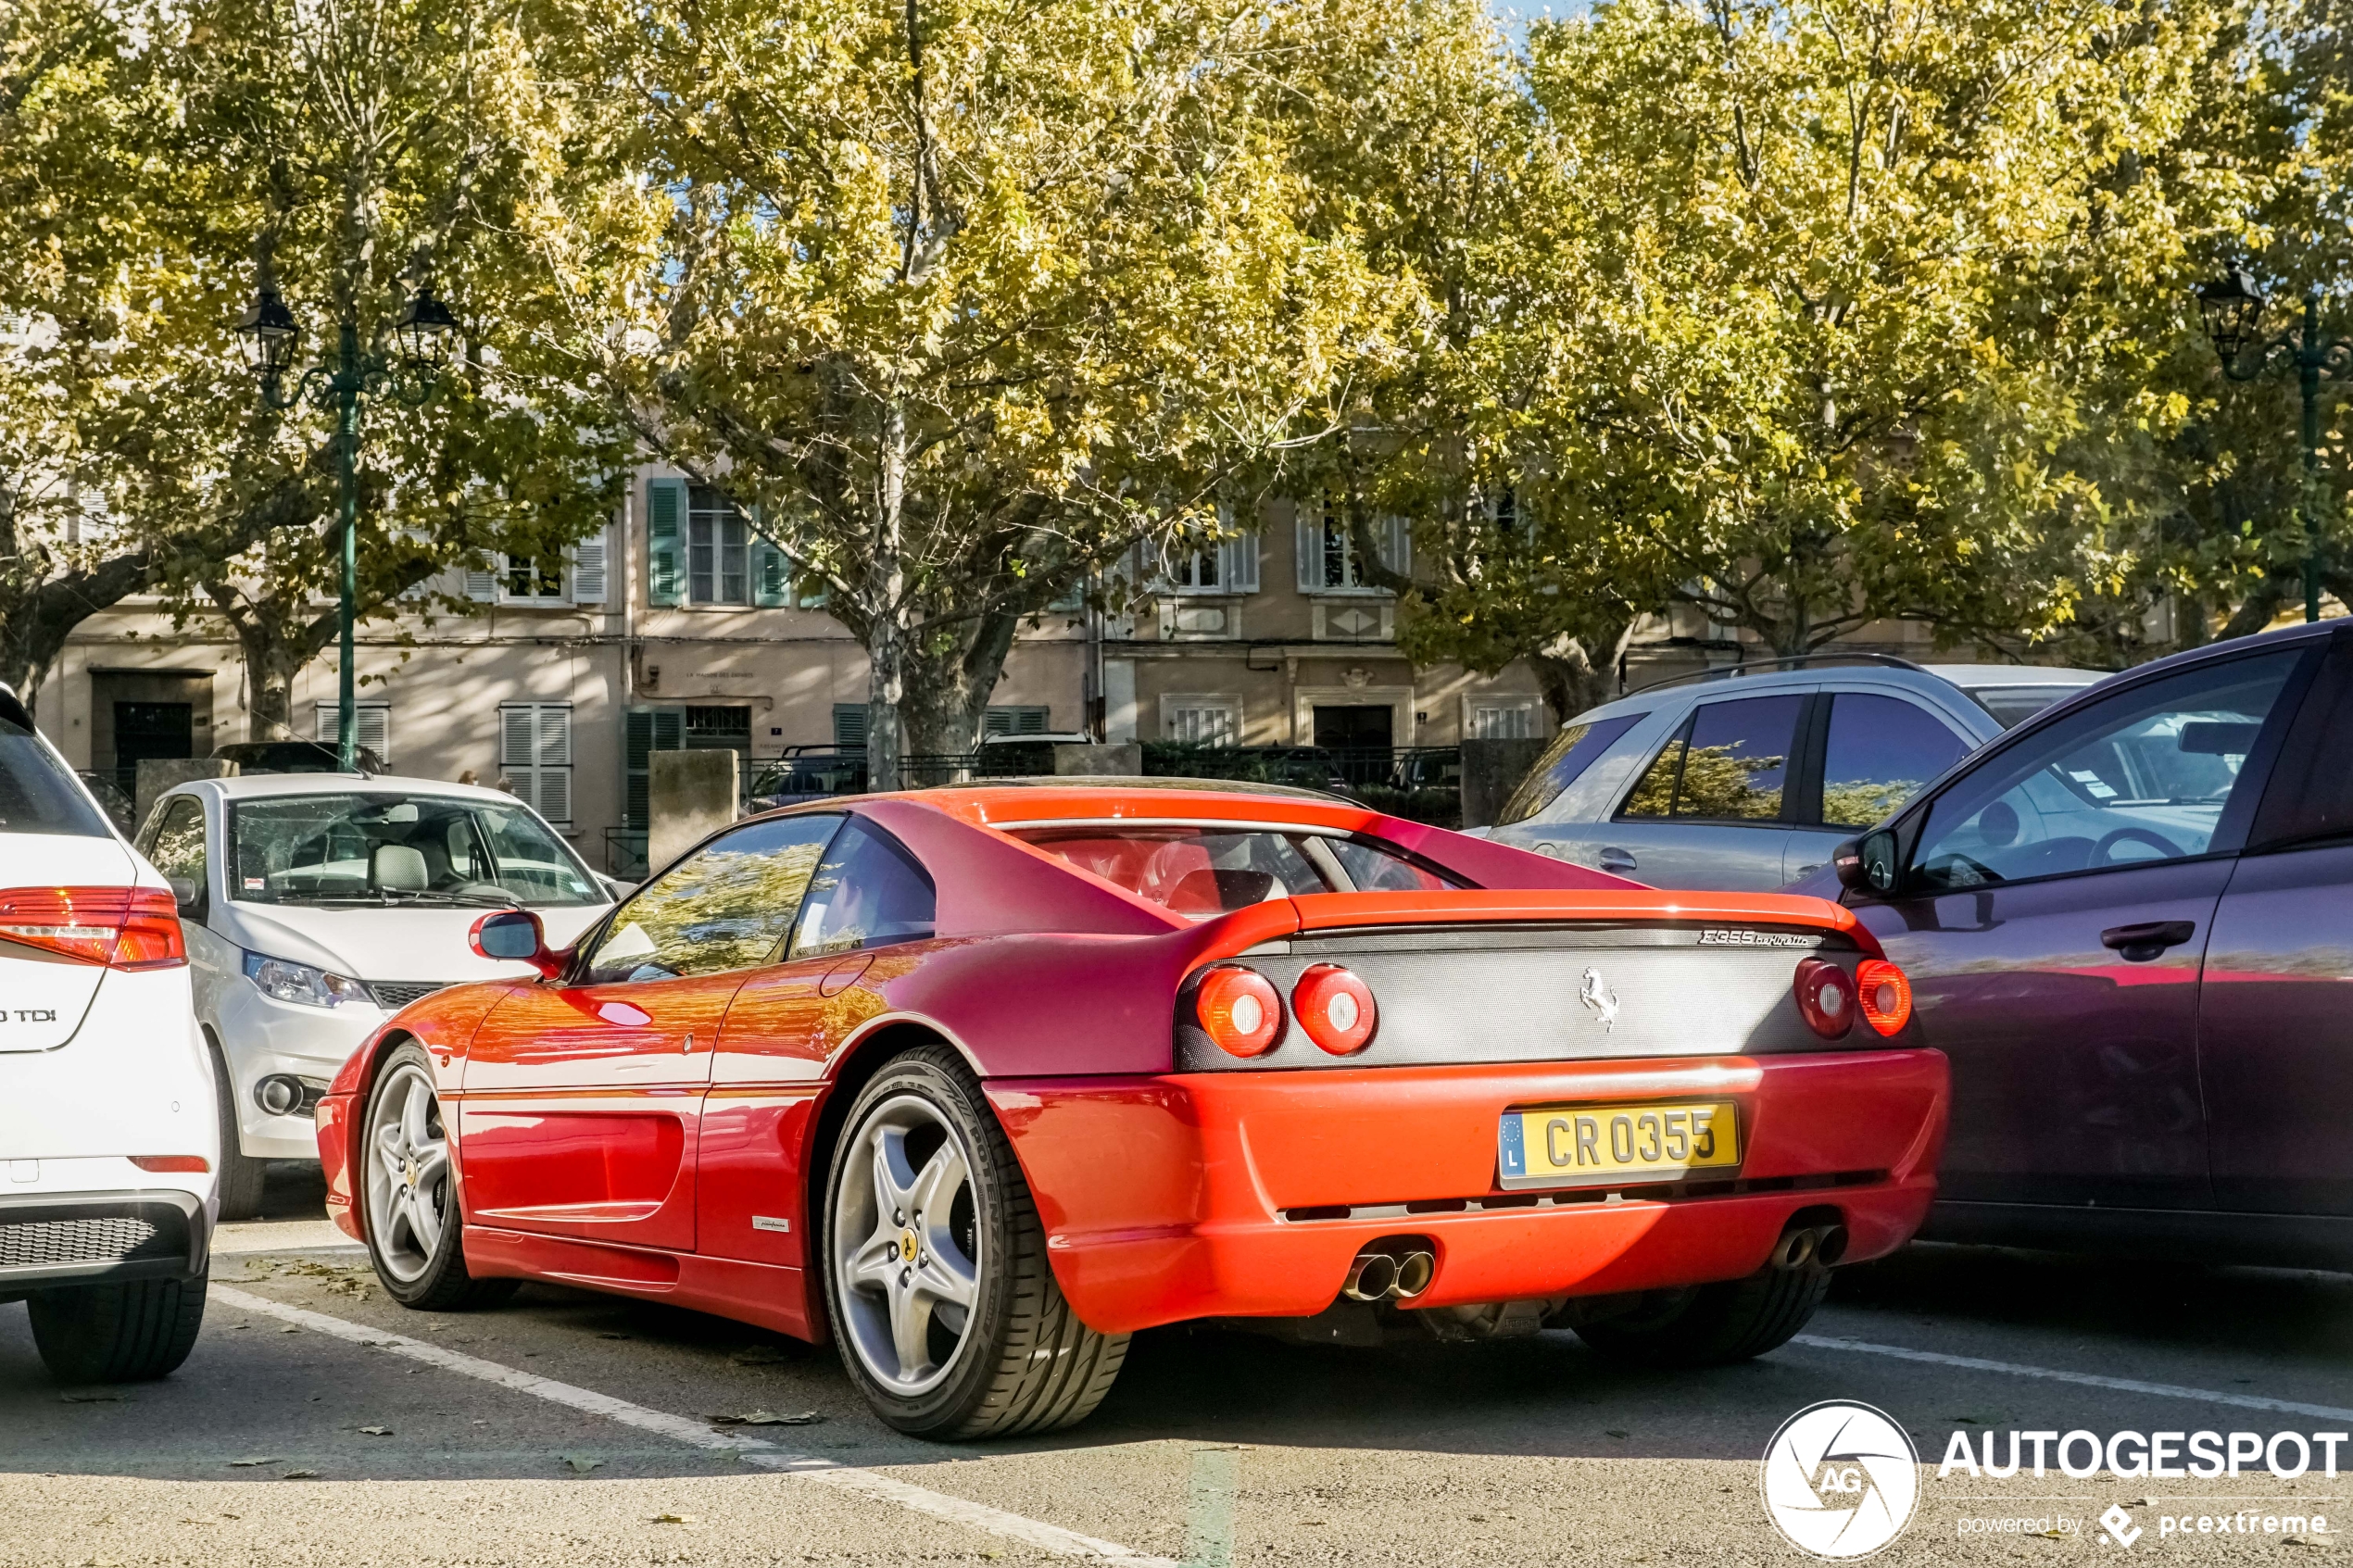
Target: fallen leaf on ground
{"points": [[290, 1328], [759, 1357], [2322, 1541], [90, 1398], [377, 1431], [299, 1476], [581, 1464], [768, 1418], [258, 1458], [671, 1519], [1614, 1431], [2052, 1535]]}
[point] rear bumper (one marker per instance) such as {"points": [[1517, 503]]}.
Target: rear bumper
{"points": [[66, 1238], [1246, 1194]]}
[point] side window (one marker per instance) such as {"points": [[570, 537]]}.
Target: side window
{"points": [[1879, 752], [174, 846], [727, 906], [868, 893], [1729, 764], [2309, 799], [2144, 775], [1575, 749]]}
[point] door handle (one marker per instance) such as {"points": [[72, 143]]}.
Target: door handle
{"points": [[1612, 858], [2141, 943], [689, 1047]]}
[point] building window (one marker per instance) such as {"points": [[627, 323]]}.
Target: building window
{"points": [[1499, 718], [542, 579], [718, 550], [1228, 566], [534, 756], [1330, 561], [719, 729], [375, 726], [1014, 722], [1201, 721], [850, 726]]}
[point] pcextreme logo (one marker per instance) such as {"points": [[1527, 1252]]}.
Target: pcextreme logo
{"points": [[1839, 1480]]}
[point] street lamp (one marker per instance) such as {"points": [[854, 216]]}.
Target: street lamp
{"points": [[423, 332], [2233, 312]]}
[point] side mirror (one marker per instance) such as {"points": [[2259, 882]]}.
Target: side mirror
{"points": [[1867, 864], [514, 936], [184, 892]]}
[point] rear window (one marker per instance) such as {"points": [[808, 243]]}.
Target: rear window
{"points": [[1575, 749], [2013, 705], [1203, 872], [37, 794]]}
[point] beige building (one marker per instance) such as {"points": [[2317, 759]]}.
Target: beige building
{"points": [[676, 627]]}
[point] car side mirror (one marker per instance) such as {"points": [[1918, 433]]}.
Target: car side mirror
{"points": [[514, 936], [184, 892], [1867, 864]]}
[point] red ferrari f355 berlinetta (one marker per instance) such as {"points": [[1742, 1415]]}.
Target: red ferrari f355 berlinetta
{"points": [[981, 1081]]}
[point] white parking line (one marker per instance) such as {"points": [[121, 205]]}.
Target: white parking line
{"points": [[754, 1450], [2082, 1379]]}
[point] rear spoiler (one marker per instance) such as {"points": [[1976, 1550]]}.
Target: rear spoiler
{"points": [[1280, 919]]}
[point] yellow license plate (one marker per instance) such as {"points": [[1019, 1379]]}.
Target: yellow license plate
{"points": [[1617, 1145]]}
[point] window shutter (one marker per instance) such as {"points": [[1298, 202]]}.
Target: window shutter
{"points": [[515, 738], [375, 730], [1399, 554], [482, 587], [770, 575], [665, 540], [849, 726], [588, 570], [1240, 572], [644, 731], [1309, 531]]}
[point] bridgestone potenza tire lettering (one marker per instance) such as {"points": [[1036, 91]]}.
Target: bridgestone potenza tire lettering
{"points": [[1713, 1325], [427, 1278], [1020, 1360], [125, 1333]]}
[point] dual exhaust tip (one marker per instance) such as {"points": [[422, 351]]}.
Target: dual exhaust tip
{"points": [[1821, 1245], [1376, 1275]]}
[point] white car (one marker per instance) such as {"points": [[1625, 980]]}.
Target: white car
{"points": [[109, 1136], [318, 905]]}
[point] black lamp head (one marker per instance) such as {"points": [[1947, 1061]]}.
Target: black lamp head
{"points": [[426, 330], [267, 332], [2232, 309]]}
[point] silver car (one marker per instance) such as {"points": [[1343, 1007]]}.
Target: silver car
{"points": [[1744, 778]]}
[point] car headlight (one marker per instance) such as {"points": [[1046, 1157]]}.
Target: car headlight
{"points": [[290, 982]]}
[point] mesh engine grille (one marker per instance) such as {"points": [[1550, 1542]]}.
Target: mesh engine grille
{"points": [[115, 1239], [394, 994]]}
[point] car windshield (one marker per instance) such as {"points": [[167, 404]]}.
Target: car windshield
{"points": [[37, 794], [397, 849], [1202, 871]]}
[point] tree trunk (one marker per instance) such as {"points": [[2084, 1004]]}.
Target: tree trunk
{"points": [[1572, 679], [887, 632], [948, 707]]}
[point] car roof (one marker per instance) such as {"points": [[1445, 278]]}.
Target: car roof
{"points": [[259, 785], [1009, 802], [1985, 677]]}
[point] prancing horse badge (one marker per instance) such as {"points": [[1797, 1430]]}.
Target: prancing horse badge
{"points": [[1600, 1000]]}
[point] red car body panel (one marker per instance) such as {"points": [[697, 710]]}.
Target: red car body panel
{"points": [[658, 1139]]}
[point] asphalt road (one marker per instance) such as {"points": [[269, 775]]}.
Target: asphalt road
{"points": [[319, 1424]]}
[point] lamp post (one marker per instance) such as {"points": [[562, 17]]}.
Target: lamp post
{"points": [[423, 334], [2234, 310]]}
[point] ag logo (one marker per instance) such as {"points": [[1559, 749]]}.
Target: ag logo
{"points": [[1841, 1480]]}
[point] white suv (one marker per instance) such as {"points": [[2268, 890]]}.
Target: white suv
{"points": [[109, 1137]]}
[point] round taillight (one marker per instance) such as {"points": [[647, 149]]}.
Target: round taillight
{"points": [[1885, 993], [1241, 1011], [1826, 997], [1334, 1008]]}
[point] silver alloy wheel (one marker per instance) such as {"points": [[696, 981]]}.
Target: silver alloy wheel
{"points": [[905, 1243], [408, 1172]]}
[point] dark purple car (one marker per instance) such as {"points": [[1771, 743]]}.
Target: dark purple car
{"points": [[2128, 923]]}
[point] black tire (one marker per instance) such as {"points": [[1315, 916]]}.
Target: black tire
{"points": [[1022, 1361], [241, 1175], [117, 1333], [1713, 1325], [434, 1281]]}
